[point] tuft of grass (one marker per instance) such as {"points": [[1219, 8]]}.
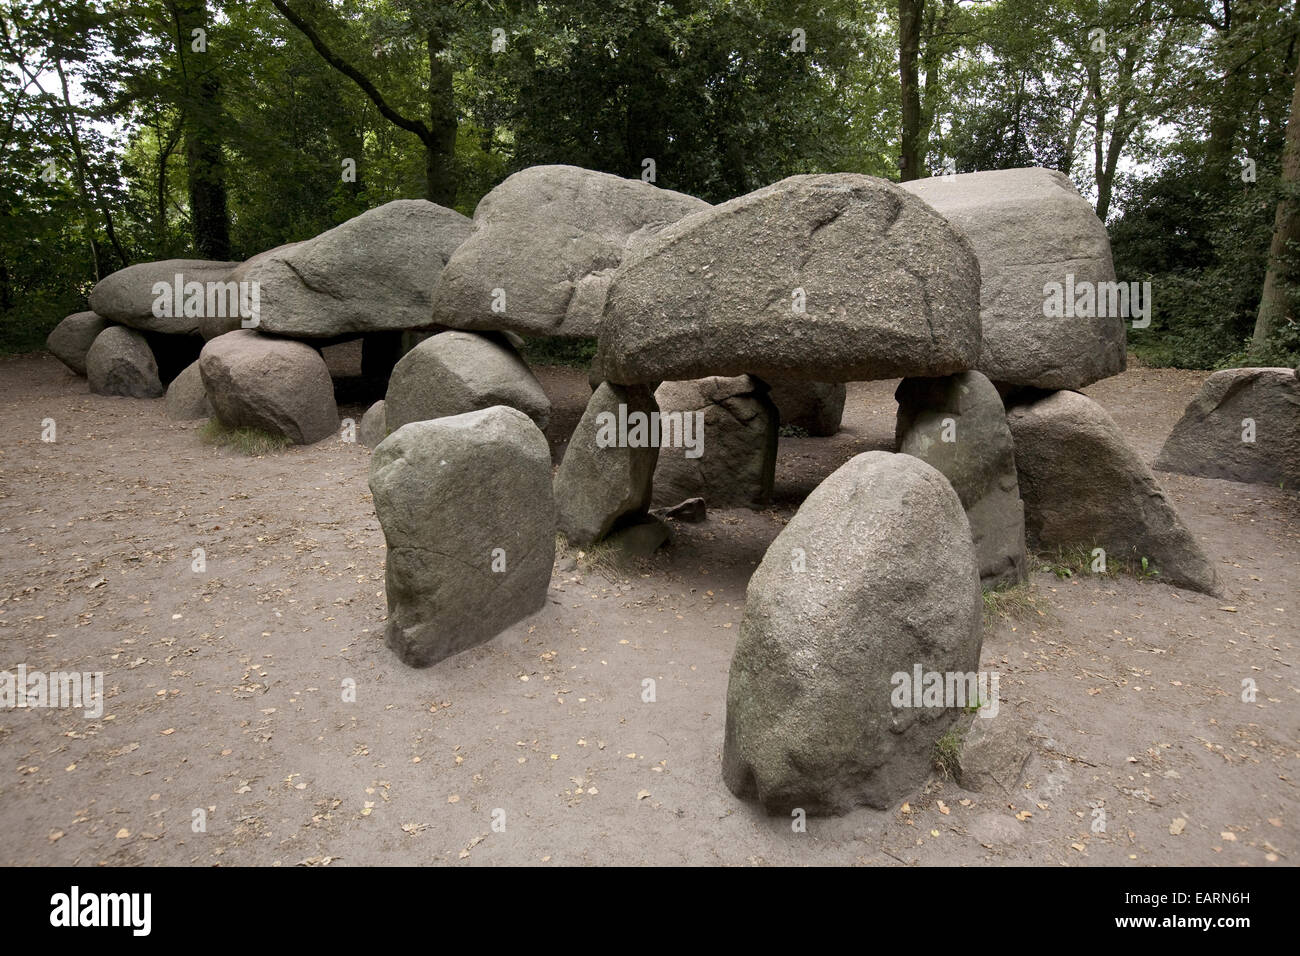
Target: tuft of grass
{"points": [[1067, 562], [793, 431], [600, 559], [947, 754], [252, 442], [1016, 602]]}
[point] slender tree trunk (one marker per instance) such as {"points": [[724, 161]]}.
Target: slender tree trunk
{"points": [[910, 13], [204, 157], [1284, 249], [440, 147]]}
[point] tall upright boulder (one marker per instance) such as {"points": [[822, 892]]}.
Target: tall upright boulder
{"points": [[721, 445], [958, 425], [544, 247], [874, 576], [1031, 228], [1085, 487], [465, 504], [604, 479], [826, 278], [1243, 425]]}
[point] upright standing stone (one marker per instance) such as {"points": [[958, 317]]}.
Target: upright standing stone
{"points": [[1243, 425], [958, 425], [187, 399], [605, 476], [121, 363], [465, 504], [1084, 487], [874, 576], [816, 407], [721, 445]]}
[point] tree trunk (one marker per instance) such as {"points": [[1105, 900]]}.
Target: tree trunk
{"points": [[1282, 251], [910, 13], [204, 159], [440, 147]]}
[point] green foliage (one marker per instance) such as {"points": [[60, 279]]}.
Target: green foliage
{"points": [[576, 353]]}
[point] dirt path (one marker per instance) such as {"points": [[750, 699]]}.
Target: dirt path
{"points": [[224, 688]]}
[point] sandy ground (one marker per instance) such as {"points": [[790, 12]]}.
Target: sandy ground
{"points": [[225, 688]]}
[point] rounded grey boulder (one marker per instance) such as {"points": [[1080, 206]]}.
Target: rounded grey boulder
{"points": [[605, 476], [73, 337], [187, 399], [718, 440], [277, 385], [456, 372], [1030, 228], [373, 273], [465, 504], [1243, 425], [120, 362], [129, 296], [374, 427], [874, 577], [958, 425], [816, 407]]}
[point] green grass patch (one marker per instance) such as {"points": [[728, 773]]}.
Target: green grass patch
{"points": [[253, 442], [947, 754]]}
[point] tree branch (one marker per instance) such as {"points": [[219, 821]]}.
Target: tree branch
{"points": [[356, 76]]}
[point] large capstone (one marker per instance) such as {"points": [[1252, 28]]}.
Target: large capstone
{"points": [[374, 272], [465, 504], [73, 337], [545, 244], [1085, 488], [836, 277], [456, 372], [604, 479], [120, 362], [1048, 299], [170, 296], [957, 424], [717, 440], [874, 577], [275, 385], [1243, 425]]}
